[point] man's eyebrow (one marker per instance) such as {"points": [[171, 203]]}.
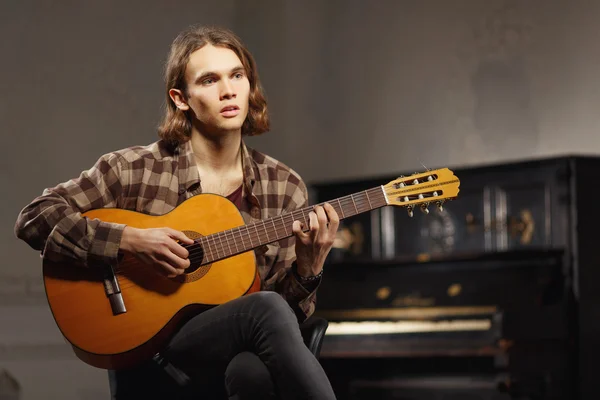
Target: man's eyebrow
{"points": [[239, 68]]}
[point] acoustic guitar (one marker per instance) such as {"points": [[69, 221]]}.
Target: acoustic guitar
{"points": [[118, 316]]}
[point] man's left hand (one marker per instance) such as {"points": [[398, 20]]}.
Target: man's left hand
{"points": [[313, 246]]}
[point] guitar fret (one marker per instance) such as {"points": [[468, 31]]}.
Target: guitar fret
{"points": [[213, 250], [257, 234], [234, 248], [227, 240], [266, 231], [284, 226], [249, 236], [305, 221], [347, 213], [352, 198], [274, 228], [367, 195], [243, 236], [264, 227], [235, 241], [213, 244], [362, 205], [218, 236], [341, 208], [220, 242], [205, 247]]}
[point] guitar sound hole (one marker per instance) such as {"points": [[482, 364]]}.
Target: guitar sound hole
{"points": [[196, 257], [194, 266]]}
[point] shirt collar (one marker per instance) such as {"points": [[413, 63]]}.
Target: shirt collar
{"points": [[189, 177]]}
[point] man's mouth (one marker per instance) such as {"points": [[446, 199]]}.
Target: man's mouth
{"points": [[230, 111]]}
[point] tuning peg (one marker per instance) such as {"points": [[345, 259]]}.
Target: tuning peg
{"points": [[440, 205], [409, 209], [424, 208]]}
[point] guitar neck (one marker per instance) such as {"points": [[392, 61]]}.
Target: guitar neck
{"points": [[248, 237]]}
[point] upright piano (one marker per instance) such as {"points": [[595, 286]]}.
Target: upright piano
{"points": [[497, 296]]}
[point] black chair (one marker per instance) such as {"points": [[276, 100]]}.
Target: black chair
{"points": [[156, 379]]}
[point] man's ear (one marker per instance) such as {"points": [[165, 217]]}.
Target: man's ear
{"points": [[179, 99]]}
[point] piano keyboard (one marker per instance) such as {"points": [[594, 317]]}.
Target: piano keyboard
{"points": [[388, 327]]}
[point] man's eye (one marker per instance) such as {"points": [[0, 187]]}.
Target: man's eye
{"points": [[208, 81], [239, 75]]}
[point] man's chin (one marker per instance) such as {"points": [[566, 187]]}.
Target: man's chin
{"points": [[231, 124], [221, 126]]}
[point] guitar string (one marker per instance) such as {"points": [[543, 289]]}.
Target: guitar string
{"points": [[224, 236], [356, 204], [227, 238], [198, 242], [198, 255]]}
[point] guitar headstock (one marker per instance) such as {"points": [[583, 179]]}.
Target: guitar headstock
{"points": [[422, 189]]}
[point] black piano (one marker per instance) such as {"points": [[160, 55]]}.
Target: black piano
{"points": [[495, 297]]}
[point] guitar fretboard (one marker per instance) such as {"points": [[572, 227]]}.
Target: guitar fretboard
{"points": [[248, 237]]}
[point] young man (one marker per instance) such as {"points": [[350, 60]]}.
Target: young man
{"points": [[250, 346]]}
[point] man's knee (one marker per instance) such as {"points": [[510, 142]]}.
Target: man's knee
{"points": [[272, 306], [247, 377]]}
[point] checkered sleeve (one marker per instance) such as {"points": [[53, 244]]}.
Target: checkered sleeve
{"points": [[52, 223], [300, 299]]}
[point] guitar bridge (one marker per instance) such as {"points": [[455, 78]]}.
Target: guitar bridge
{"points": [[113, 292]]}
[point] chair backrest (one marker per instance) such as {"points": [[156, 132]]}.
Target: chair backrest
{"points": [[313, 331]]}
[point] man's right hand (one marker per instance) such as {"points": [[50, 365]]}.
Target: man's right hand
{"points": [[158, 247]]}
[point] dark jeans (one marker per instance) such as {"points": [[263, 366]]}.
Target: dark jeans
{"points": [[249, 348]]}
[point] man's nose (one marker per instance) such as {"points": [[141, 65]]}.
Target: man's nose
{"points": [[227, 89]]}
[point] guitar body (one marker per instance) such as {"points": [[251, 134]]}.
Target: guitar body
{"points": [[155, 305]]}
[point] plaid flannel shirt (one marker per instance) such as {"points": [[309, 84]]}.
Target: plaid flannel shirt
{"points": [[154, 179]]}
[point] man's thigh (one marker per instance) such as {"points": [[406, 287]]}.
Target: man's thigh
{"points": [[208, 342]]}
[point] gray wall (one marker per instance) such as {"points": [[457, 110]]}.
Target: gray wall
{"points": [[356, 89], [380, 87]]}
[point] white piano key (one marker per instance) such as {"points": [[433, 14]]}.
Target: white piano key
{"points": [[386, 327]]}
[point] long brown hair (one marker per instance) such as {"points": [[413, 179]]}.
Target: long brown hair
{"points": [[176, 127]]}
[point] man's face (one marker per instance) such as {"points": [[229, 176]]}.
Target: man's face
{"points": [[217, 90]]}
